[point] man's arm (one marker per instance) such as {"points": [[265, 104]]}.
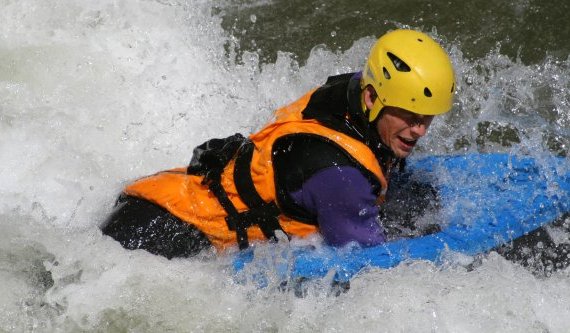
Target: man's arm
{"points": [[342, 199]]}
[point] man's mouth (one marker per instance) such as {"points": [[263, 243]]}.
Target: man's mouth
{"points": [[408, 142]]}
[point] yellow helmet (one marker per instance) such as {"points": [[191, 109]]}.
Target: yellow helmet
{"points": [[409, 70]]}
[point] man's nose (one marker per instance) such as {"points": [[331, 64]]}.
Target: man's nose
{"points": [[418, 130]]}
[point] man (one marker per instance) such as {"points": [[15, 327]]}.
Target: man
{"points": [[322, 166]]}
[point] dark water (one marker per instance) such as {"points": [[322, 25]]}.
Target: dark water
{"points": [[529, 30], [512, 53]]}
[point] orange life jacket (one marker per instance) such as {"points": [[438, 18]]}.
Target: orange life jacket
{"points": [[187, 197]]}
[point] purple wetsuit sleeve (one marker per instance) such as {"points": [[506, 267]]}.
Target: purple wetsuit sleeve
{"points": [[342, 200]]}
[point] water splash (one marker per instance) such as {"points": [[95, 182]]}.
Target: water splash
{"points": [[95, 94]]}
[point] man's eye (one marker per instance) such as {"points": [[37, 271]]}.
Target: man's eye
{"points": [[412, 119]]}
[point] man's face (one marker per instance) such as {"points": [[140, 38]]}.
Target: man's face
{"points": [[400, 129]]}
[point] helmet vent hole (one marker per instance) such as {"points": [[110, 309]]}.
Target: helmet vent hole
{"points": [[452, 88], [386, 73], [420, 40], [400, 65], [427, 92]]}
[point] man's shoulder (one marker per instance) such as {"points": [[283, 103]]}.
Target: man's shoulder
{"points": [[335, 79], [329, 103]]}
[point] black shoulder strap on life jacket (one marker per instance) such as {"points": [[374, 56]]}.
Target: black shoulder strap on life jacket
{"points": [[209, 160], [261, 213]]}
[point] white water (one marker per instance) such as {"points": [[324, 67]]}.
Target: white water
{"points": [[94, 94]]}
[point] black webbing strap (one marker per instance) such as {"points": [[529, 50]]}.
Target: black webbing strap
{"points": [[261, 213], [234, 219]]}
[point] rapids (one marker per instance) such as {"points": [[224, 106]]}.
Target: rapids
{"points": [[94, 94]]}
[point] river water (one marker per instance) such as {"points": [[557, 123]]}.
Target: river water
{"points": [[94, 94]]}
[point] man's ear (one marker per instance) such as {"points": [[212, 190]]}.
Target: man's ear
{"points": [[369, 94]]}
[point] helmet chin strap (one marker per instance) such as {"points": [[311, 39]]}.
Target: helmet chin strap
{"points": [[386, 158], [385, 155], [380, 145], [385, 149]]}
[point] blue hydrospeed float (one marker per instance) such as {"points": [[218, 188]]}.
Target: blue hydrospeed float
{"points": [[485, 202]]}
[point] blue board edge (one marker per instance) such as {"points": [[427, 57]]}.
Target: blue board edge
{"points": [[523, 194]]}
